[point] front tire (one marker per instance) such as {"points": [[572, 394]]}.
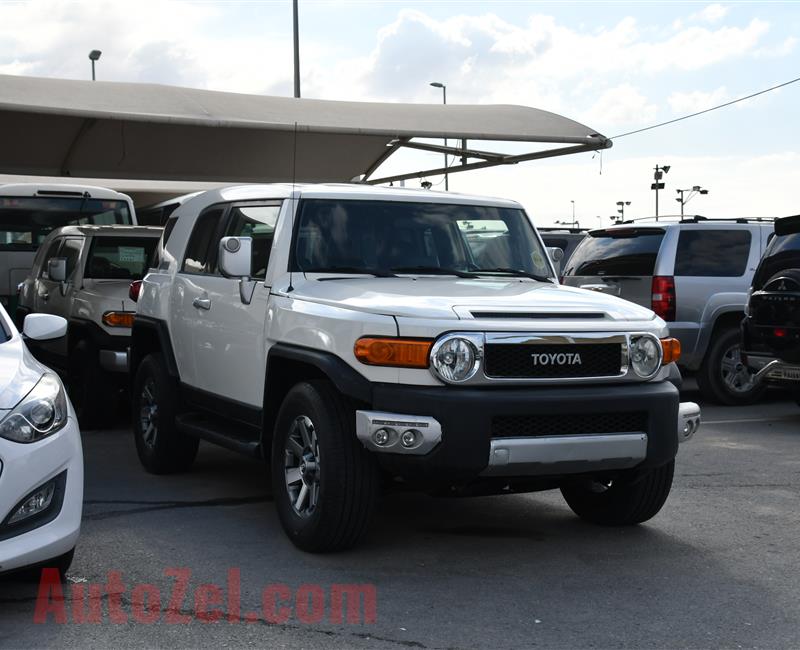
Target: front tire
{"points": [[324, 482], [627, 500], [723, 377], [161, 447]]}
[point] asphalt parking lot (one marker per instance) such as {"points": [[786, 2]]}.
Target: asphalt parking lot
{"points": [[716, 568]]}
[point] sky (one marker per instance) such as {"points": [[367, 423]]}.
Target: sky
{"points": [[614, 66]]}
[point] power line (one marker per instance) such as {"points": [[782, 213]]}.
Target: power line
{"points": [[707, 110]]}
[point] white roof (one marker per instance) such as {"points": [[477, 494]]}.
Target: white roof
{"points": [[61, 127], [34, 189], [269, 191]]}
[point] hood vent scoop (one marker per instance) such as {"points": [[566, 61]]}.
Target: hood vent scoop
{"points": [[530, 315]]}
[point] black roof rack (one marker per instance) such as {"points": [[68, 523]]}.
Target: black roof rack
{"points": [[696, 218]]}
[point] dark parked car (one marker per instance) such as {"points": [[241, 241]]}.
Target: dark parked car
{"points": [[771, 328]]}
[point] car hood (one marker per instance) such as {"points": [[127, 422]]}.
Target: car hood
{"points": [[19, 372], [456, 298]]}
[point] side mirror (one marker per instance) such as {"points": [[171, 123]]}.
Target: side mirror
{"points": [[57, 269], [43, 327], [235, 256]]}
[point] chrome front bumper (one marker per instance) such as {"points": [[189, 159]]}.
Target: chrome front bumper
{"points": [[565, 454], [523, 456]]}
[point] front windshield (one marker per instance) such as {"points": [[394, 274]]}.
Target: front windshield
{"points": [[120, 258], [26, 220], [381, 237]]}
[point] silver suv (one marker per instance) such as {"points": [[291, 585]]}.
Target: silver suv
{"points": [[695, 274], [84, 273]]}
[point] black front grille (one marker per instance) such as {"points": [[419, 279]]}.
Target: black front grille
{"points": [[532, 426], [553, 361]]}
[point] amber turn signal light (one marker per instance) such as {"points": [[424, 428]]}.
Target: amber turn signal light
{"points": [[672, 350], [118, 318], [399, 353]]}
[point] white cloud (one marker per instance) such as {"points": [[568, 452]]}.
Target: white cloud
{"points": [[784, 48], [691, 102], [711, 14], [623, 104]]}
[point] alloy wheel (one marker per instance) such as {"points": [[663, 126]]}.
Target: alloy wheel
{"points": [[735, 374], [302, 467], [148, 413]]}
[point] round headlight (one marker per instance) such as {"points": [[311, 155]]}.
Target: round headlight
{"points": [[455, 359], [645, 355]]}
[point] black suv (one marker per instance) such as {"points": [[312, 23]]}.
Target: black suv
{"points": [[771, 328]]}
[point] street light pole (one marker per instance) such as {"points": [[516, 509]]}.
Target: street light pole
{"points": [[694, 191], [573, 210], [94, 55], [438, 84], [296, 50]]}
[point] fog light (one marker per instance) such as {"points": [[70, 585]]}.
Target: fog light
{"points": [[381, 437], [35, 503], [409, 438]]}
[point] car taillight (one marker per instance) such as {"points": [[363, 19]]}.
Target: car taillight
{"points": [[134, 290], [663, 298]]}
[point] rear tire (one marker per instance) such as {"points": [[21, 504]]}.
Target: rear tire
{"points": [[90, 389], [723, 377], [161, 447], [627, 500], [324, 482]]}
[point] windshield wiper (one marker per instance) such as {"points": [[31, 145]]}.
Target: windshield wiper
{"points": [[517, 272], [378, 273], [432, 270]]}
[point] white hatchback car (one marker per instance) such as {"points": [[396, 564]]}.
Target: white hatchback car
{"points": [[41, 458]]}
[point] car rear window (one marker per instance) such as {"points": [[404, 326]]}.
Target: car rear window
{"points": [[712, 253], [630, 252], [782, 253], [120, 258]]}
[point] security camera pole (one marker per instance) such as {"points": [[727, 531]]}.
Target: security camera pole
{"points": [[660, 171], [94, 55]]}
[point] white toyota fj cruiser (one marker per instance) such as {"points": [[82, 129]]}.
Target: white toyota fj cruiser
{"points": [[84, 274], [359, 337]]}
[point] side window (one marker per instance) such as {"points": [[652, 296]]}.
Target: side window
{"points": [[712, 253], [52, 251], [72, 252], [199, 252], [257, 222]]}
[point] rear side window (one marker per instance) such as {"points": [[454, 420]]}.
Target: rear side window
{"points": [[619, 252], [199, 253], [712, 253]]}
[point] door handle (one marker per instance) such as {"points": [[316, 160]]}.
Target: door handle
{"points": [[201, 303]]}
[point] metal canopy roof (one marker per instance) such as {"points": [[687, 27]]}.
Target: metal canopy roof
{"points": [[57, 127]]}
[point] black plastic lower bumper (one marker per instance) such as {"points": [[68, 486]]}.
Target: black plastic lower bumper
{"points": [[467, 416]]}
